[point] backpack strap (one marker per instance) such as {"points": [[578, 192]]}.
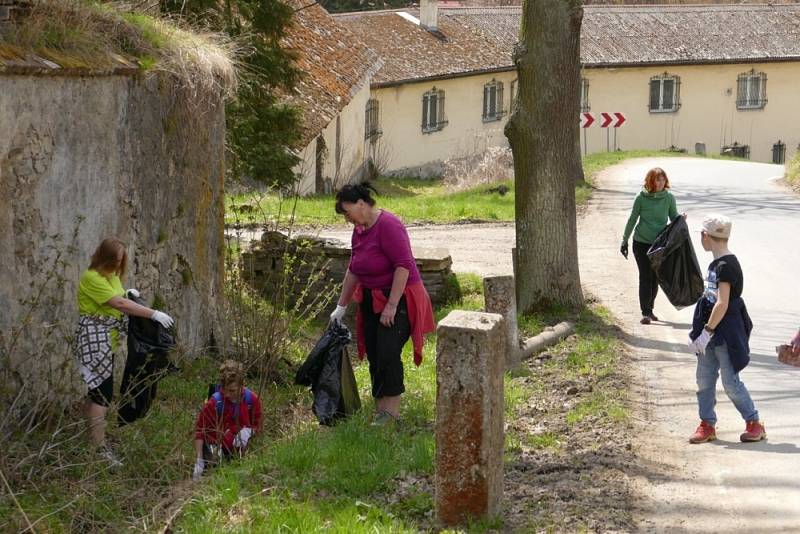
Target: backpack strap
{"points": [[219, 399], [248, 398]]}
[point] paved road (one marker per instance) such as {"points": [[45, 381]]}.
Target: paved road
{"points": [[714, 487]]}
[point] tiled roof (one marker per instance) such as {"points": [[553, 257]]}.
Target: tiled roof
{"points": [[335, 65], [482, 39]]}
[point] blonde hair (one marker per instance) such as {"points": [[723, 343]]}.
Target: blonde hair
{"points": [[231, 372]]}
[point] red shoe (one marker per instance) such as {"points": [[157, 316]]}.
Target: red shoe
{"points": [[703, 434], [754, 431]]}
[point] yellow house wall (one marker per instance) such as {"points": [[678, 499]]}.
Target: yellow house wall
{"points": [[352, 147], [707, 113], [403, 144]]}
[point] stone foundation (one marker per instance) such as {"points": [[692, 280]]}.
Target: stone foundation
{"points": [[307, 267]]}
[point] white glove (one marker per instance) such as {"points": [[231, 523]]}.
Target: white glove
{"points": [[161, 317], [242, 437], [338, 313], [132, 293], [698, 346], [199, 465]]}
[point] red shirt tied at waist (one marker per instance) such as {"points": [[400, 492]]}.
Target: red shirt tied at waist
{"points": [[420, 316], [235, 416]]}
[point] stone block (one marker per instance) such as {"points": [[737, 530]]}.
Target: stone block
{"points": [[470, 360], [499, 293]]}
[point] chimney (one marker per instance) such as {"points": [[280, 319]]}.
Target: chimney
{"points": [[428, 14]]}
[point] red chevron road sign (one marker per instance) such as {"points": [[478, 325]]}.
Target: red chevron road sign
{"points": [[606, 119]]}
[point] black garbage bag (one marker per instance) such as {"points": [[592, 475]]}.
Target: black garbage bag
{"points": [[149, 344], [675, 263], [328, 371]]}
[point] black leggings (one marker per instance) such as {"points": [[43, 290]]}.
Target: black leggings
{"points": [[384, 347], [648, 283]]}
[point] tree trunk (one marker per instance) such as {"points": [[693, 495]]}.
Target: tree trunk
{"points": [[543, 134]]}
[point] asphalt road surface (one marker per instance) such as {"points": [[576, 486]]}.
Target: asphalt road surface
{"points": [[725, 485]]}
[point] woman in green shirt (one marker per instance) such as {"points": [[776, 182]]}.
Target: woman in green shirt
{"points": [[653, 208], [103, 309]]}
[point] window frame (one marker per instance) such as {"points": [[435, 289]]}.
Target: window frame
{"points": [[744, 80], [676, 93], [496, 112], [372, 129], [584, 96], [431, 98]]}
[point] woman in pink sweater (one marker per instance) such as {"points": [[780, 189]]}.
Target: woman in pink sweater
{"points": [[393, 305]]}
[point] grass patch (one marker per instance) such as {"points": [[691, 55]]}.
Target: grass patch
{"points": [[422, 201], [84, 34], [793, 170]]}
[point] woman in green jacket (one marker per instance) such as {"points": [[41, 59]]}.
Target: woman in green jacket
{"points": [[653, 208]]}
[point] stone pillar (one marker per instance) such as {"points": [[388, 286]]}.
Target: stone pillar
{"points": [[499, 293], [470, 360]]}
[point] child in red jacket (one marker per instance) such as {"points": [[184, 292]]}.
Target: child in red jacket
{"points": [[230, 418]]}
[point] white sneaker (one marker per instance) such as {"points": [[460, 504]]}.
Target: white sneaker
{"points": [[109, 456]]}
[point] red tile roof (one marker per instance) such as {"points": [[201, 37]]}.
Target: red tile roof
{"points": [[335, 65], [482, 39]]}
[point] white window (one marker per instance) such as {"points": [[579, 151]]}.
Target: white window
{"points": [[372, 128], [665, 91], [433, 118], [751, 90], [585, 95], [493, 101]]}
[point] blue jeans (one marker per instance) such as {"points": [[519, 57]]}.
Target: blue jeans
{"points": [[716, 360]]}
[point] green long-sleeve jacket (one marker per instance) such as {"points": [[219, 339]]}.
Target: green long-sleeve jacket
{"points": [[653, 211]]}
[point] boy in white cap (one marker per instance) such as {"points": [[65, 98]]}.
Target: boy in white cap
{"points": [[720, 336]]}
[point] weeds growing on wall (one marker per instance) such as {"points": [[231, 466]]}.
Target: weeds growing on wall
{"points": [[82, 34]]}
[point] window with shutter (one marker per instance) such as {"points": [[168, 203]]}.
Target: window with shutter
{"points": [[585, 95], [433, 118], [664, 93], [372, 128], [492, 101]]}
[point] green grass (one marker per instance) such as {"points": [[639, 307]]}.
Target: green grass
{"points": [[793, 170], [344, 478], [415, 200], [591, 357]]}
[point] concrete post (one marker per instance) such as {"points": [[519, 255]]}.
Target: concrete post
{"points": [[499, 294], [470, 360]]}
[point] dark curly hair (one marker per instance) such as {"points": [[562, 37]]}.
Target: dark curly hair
{"points": [[353, 193]]}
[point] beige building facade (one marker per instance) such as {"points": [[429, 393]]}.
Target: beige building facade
{"points": [[709, 109], [407, 146], [720, 78]]}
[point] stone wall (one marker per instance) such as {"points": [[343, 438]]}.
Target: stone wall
{"points": [[324, 262], [83, 158]]}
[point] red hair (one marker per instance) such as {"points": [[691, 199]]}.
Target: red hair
{"points": [[652, 175], [104, 259]]}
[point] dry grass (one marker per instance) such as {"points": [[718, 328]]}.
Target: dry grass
{"points": [[495, 164], [81, 34]]}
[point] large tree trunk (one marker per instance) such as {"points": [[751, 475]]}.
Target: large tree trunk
{"points": [[543, 134]]}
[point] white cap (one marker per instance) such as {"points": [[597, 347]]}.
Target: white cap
{"points": [[717, 225]]}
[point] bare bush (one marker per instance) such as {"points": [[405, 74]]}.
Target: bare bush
{"points": [[495, 164], [265, 328]]}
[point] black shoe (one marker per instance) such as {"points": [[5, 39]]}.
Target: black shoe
{"points": [[652, 317], [645, 320]]}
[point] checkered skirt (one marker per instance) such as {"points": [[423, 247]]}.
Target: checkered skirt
{"points": [[93, 347]]}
